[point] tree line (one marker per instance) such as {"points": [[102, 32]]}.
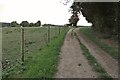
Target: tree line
{"points": [[27, 24], [23, 24]]}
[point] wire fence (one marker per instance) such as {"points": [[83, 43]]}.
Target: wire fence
{"points": [[20, 43]]}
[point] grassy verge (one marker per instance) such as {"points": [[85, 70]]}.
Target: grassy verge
{"points": [[92, 61], [92, 36], [43, 63]]}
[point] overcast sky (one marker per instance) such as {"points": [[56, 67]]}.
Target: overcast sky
{"points": [[47, 11]]}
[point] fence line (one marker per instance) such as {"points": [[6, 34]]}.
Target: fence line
{"points": [[50, 33], [47, 37]]}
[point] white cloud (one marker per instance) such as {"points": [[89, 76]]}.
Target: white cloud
{"points": [[48, 11]]}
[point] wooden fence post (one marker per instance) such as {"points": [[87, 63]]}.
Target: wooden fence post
{"points": [[45, 38], [22, 44], [55, 31], [48, 33], [59, 29]]}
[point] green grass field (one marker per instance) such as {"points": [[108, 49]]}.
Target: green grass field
{"points": [[35, 40], [10, 45]]}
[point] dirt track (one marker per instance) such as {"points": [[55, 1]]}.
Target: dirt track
{"points": [[72, 62]]}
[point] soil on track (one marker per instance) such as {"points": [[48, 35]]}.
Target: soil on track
{"points": [[72, 63]]}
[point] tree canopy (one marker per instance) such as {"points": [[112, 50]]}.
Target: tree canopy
{"points": [[14, 24], [38, 23], [27, 24], [24, 23], [103, 15]]}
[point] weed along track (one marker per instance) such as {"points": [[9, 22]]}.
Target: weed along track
{"points": [[72, 63]]}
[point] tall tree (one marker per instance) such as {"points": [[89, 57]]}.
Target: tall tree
{"points": [[14, 24], [75, 10], [24, 23], [38, 23], [73, 20], [31, 24]]}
